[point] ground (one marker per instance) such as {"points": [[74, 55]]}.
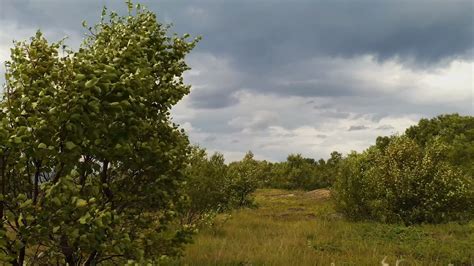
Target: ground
{"points": [[302, 228]]}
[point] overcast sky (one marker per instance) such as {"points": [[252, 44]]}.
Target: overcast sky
{"points": [[310, 77]]}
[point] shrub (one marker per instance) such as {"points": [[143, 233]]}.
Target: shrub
{"points": [[212, 187], [207, 187], [404, 183]]}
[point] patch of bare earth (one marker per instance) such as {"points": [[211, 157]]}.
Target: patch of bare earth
{"points": [[319, 194]]}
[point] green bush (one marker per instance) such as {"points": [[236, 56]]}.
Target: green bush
{"points": [[456, 131], [207, 187], [404, 182], [352, 191], [213, 187], [298, 172]]}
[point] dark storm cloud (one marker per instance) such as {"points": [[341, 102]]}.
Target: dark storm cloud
{"points": [[260, 36], [264, 33], [359, 127], [212, 99]]}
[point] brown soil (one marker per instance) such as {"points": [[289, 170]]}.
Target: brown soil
{"points": [[319, 194]]}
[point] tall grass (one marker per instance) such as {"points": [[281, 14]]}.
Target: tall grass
{"points": [[297, 228]]}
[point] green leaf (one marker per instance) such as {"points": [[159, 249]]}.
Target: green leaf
{"points": [[80, 76], [70, 145], [26, 203], [91, 83], [42, 146], [83, 219], [81, 203]]}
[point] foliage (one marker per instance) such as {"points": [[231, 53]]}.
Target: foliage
{"points": [[246, 176], [352, 190], [404, 183], [305, 173], [91, 166], [293, 228], [213, 187], [454, 130], [207, 186]]}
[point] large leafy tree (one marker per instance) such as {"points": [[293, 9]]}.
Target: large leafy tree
{"points": [[90, 163]]}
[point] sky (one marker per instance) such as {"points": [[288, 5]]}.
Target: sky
{"points": [[281, 77]]}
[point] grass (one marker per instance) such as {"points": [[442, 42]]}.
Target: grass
{"points": [[298, 228]]}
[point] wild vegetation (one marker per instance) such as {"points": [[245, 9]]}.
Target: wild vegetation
{"points": [[303, 228], [91, 165], [93, 171]]}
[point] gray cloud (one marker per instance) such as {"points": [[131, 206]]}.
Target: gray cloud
{"points": [[385, 127], [358, 127], [304, 76]]}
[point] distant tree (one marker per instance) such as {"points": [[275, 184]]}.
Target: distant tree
{"points": [[246, 176], [90, 164], [331, 169]]}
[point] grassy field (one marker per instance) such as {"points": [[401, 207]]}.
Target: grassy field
{"points": [[302, 228]]}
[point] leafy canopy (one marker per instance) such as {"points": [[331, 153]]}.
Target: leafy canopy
{"points": [[90, 164]]}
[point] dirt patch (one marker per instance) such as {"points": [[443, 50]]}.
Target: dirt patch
{"points": [[319, 194]]}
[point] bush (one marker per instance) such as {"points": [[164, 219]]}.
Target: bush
{"points": [[213, 187], [404, 183], [207, 187], [298, 172], [456, 131]]}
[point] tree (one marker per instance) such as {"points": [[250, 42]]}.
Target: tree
{"points": [[246, 176], [207, 186], [90, 164]]}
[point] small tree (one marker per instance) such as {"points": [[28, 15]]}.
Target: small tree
{"points": [[90, 164], [207, 186], [246, 176]]}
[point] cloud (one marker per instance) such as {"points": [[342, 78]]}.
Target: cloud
{"points": [[267, 33], [354, 128], [214, 81], [257, 121], [278, 77], [385, 127]]}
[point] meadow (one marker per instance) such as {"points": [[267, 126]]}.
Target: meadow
{"points": [[302, 228]]}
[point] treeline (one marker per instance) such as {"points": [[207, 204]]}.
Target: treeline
{"points": [[212, 186], [424, 175]]}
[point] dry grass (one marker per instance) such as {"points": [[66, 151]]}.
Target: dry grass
{"points": [[302, 228]]}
